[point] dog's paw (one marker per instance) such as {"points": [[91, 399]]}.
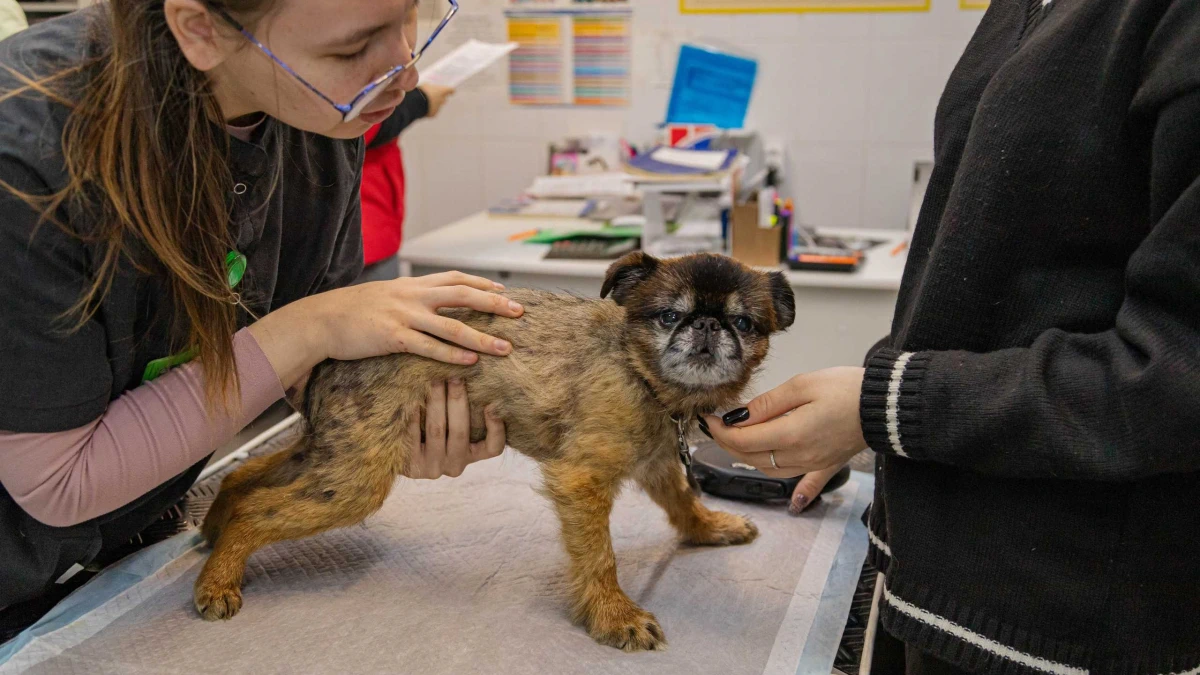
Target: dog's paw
{"points": [[217, 604], [629, 628], [723, 529]]}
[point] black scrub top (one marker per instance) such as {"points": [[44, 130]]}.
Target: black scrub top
{"points": [[295, 216]]}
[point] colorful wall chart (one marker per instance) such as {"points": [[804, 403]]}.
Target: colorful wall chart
{"points": [[575, 53], [536, 68], [784, 6], [601, 60]]}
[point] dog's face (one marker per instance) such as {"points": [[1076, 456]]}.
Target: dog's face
{"points": [[699, 322]]}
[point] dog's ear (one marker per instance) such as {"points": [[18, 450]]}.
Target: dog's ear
{"points": [[783, 299], [625, 274]]}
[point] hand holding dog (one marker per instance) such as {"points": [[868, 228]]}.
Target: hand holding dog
{"points": [[447, 448]]}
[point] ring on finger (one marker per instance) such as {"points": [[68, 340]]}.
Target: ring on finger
{"points": [[773, 464]]}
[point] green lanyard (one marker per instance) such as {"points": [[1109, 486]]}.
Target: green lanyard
{"points": [[235, 268]]}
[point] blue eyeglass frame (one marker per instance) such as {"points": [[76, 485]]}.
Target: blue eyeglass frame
{"points": [[349, 111]]}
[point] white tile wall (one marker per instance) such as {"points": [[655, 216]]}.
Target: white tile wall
{"points": [[508, 166], [451, 180], [889, 174], [903, 86], [852, 97], [827, 182], [812, 90]]}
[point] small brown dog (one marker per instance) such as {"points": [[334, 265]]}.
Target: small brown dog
{"points": [[595, 391]]}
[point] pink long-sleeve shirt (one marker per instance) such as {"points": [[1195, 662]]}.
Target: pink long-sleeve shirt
{"points": [[146, 436]]}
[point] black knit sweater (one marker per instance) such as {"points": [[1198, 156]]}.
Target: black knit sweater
{"points": [[1037, 406]]}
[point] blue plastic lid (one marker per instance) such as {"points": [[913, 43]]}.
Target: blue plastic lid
{"points": [[711, 87]]}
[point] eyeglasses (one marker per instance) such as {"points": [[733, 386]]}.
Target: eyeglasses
{"points": [[354, 108]]}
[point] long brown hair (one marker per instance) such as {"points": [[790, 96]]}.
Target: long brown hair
{"points": [[147, 160]]}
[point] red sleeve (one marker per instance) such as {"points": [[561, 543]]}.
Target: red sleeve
{"points": [[371, 134], [382, 203]]}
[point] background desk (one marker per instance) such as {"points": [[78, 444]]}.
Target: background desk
{"points": [[838, 316]]}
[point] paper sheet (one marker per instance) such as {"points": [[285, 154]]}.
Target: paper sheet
{"points": [[461, 64]]}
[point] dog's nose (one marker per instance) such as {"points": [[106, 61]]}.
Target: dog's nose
{"points": [[706, 325]]}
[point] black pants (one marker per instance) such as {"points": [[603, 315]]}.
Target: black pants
{"points": [[893, 657], [34, 555]]}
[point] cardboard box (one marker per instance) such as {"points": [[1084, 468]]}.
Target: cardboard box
{"points": [[750, 243]]}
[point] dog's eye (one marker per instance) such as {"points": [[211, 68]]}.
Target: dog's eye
{"points": [[669, 317], [743, 324]]}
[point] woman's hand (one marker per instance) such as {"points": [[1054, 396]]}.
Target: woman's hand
{"points": [[437, 95], [810, 423], [808, 490], [448, 449], [384, 317], [400, 315]]}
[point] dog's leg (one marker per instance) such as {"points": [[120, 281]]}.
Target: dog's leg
{"points": [[218, 589], [583, 497], [666, 483], [235, 486], [327, 481], [267, 515]]}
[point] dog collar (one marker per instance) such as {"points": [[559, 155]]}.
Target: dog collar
{"points": [[685, 453], [681, 424]]}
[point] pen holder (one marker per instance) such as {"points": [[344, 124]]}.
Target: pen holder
{"points": [[751, 243]]}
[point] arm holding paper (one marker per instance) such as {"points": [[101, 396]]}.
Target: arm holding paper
{"points": [[424, 101], [438, 83]]}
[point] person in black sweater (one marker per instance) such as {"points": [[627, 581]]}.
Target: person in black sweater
{"points": [[1036, 408]]}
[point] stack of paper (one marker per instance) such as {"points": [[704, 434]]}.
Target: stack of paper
{"points": [[586, 185], [681, 164], [543, 208]]}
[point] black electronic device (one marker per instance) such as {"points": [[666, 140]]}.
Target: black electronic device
{"points": [[720, 475]]}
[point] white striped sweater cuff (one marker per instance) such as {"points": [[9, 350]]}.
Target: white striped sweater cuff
{"points": [[890, 405]]}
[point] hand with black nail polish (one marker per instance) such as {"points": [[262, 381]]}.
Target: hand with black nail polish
{"points": [[734, 417], [808, 425]]}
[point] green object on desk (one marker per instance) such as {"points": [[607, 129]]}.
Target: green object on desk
{"points": [[235, 269], [551, 236]]}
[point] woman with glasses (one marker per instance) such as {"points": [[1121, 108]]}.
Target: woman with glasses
{"points": [[179, 214]]}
